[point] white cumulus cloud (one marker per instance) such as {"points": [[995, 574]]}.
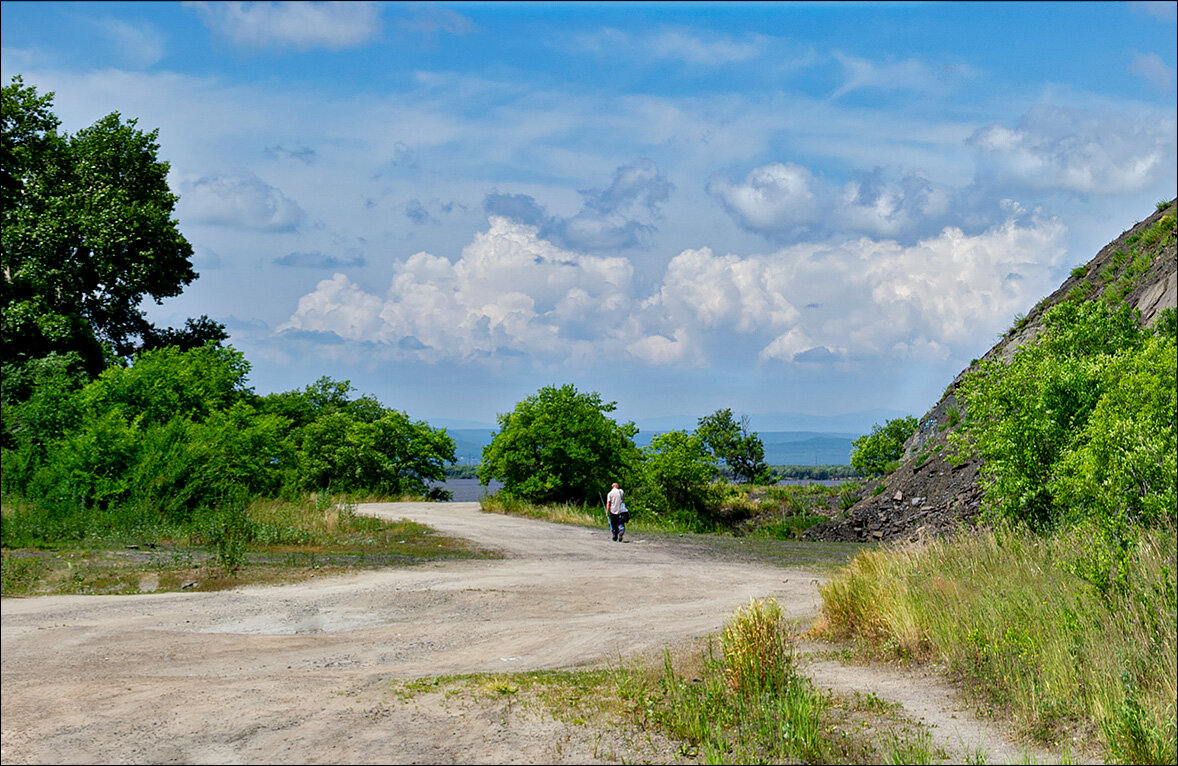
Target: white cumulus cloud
{"points": [[514, 294], [773, 197], [510, 293]]}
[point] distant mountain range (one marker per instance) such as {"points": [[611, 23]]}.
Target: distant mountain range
{"points": [[781, 447], [856, 423]]}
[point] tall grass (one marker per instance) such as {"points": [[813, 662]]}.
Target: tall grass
{"points": [[234, 543], [748, 705], [1001, 610]]}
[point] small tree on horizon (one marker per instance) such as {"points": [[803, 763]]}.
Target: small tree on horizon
{"points": [[733, 443]]}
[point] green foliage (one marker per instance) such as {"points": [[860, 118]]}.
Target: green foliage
{"points": [[357, 444], [87, 235], [677, 473], [878, 452], [239, 447], [167, 383], [169, 437], [1119, 472], [50, 404], [1094, 393], [558, 445], [1166, 324], [733, 443], [390, 455]]}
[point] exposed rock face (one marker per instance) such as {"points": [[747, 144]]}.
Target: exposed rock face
{"points": [[926, 496]]}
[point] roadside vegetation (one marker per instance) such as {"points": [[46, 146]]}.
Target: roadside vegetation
{"points": [[262, 542], [558, 451], [1033, 643], [734, 698]]}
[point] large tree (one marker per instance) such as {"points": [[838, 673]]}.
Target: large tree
{"points": [[87, 235], [558, 445]]}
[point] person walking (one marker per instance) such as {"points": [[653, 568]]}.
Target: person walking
{"points": [[615, 511]]}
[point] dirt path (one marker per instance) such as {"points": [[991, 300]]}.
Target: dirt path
{"points": [[299, 673]]}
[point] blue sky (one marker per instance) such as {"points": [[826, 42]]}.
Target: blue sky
{"points": [[819, 208]]}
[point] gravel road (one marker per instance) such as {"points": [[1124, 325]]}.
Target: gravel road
{"points": [[299, 673]]}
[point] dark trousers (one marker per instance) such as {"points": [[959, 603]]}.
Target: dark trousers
{"points": [[617, 523]]}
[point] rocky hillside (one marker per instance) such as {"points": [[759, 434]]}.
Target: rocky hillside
{"points": [[929, 496]]}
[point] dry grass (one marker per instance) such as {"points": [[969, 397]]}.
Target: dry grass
{"points": [[1036, 643]]}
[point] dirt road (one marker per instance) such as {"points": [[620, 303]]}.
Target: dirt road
{"points": [[299, 673]]}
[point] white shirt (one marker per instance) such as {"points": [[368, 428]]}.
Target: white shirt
{"points": [[615, 501]]}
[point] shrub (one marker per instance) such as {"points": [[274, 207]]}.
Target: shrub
{"points": [[1026, 414], [878, 452], [677, 470]]}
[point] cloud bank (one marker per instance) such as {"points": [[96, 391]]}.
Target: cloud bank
{"points": [[513, 293]]}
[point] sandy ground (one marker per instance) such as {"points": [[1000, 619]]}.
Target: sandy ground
{"points": [[300, 673]]}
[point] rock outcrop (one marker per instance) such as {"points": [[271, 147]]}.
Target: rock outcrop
{"points": [[927, 496]]}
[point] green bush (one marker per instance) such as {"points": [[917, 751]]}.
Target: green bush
{"points": [[677, 471], [157, 443], [878, 452], [559, 445], [1078, 430], [1023, 416]]}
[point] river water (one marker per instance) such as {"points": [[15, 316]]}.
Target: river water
{"points": [[469, 490]]}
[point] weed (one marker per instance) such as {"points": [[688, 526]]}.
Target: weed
{"points": [[19, 574], [1134, 735], [909, 749]]}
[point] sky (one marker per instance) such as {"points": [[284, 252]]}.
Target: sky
{"points": [[812, 208]]}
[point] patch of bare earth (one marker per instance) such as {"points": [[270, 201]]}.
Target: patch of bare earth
{"points": [[304, 673]]}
